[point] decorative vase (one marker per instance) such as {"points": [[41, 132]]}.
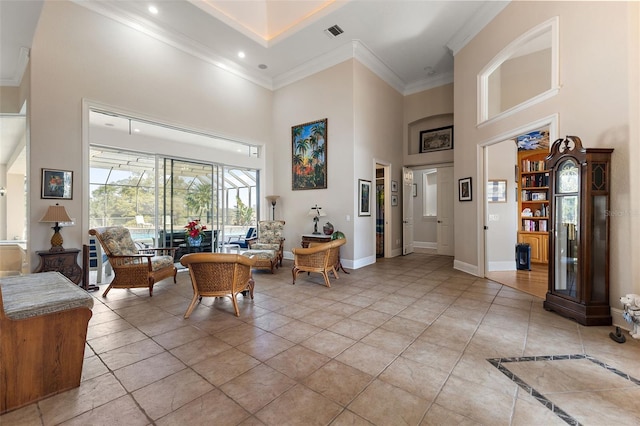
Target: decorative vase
{"points": [[328, 228], [194, 241], [337, 235]]}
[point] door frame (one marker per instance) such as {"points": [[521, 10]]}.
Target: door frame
{"points": [[388, 220], [483, 177]]}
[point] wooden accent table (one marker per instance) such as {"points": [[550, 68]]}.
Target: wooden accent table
{"points": [[320, 238], [63, 261]]}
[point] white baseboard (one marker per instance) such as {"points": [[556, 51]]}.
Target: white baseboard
{"points": [[502, 266], [425, 244], [465, 267]]}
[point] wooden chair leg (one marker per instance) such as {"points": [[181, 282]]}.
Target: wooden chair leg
{"points": [[235, 304], [326, 278], [294, 272], [107, 290], [194, 301]]}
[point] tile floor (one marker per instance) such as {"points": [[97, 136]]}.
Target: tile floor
{"points": [[407, 341]]}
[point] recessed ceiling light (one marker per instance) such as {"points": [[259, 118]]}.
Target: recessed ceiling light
{"points": [[263, 66], [241, 54], [154, 10], [108, 124], [136, 130]]}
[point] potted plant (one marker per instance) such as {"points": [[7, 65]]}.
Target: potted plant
{"points": [[194, 230]]}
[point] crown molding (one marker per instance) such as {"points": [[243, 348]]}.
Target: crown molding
{"points": [[428, 83], [23, 60], [365, 56], [471, 28]]}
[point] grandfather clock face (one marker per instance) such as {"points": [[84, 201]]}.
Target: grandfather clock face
{"points": [[568, 178]]}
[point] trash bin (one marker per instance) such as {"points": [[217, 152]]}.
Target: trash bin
{"points": [[523, 257]]}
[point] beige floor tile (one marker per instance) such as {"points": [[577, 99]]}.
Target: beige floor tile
{"points": [[265, 346], [607, 407], [130, 354], [366, 358], [388, 341], [225, 366], [352, 328], [164, 396], [440, 416], [238, 334], [105, 328], [385, 404], [120, 411], [116, 340], [179, 336], [257, 387], [371, 316], [322, 318], [193, 352], [479, 403], [140, 374], [432, 355], [297, 362], [421, 314], [164, 325], [349, 418], [328, 343], [299, 406], [415, 378], [90, 394], [270, 321], [297, 331], [25, 416], [93, 367], [529, 411], [212, 408], [338, 382]]}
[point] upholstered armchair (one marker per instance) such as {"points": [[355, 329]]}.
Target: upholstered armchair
{"points": [[133, 268], [318, 257], [270, 237], [218, 275]]}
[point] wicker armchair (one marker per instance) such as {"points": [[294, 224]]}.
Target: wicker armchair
{"points": [[269, 237], [218, 275], [133, 268], [322, 258]]}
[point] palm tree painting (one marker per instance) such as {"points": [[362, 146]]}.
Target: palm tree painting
{"points": [[309, 155]]}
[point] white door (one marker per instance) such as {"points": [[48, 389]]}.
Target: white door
{"points": [[445, 211], [407, 211]]}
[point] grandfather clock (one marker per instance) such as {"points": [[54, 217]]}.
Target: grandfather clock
{"points": [[579, 181]]}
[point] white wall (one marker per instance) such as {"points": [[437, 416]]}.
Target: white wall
{"points": [[502, 218], [92, 57], [598, 101]]}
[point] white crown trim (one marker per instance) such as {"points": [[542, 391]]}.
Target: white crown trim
{"points": [[478, 21], [428, 83], [21, 66]]}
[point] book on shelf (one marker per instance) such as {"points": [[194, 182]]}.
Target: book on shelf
{"points": [[533, 165], [529, 225]]}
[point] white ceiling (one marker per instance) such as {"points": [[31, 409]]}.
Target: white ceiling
{"points": [[408, 43]]}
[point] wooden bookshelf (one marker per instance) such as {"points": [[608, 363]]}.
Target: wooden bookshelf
{"points": [[533, 203]]}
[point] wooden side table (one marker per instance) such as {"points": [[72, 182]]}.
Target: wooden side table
{"points": [[63, 261], [320, 238]]}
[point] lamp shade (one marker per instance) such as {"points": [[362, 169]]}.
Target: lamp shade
{"points": [[56, 213], [272, 199], [316, 211]]}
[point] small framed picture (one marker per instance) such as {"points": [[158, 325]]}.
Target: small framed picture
{"points": [[415, 190], [464, 189], [497, 191], [394, 200], [394, 186], [436, 139], [57, 184], [364, 197]]}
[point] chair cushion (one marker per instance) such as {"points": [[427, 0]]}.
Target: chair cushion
{"points": [[265, 246], [270, 232], [260, 254], [119, 242], [160, 262]]}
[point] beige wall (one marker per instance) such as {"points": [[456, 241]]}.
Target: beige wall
{"points": [[99, 59], [597, 101]]}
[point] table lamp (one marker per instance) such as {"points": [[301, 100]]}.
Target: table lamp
{"points": [[316, 213], [272, 199], [56, 214]]}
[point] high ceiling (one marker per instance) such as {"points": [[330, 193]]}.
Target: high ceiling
{"points": [[408, 43]]}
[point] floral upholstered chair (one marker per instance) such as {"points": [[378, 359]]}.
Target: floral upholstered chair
{"points": [[133, 268], [270, 237]]}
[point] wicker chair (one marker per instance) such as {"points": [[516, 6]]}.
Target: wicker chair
{"points": [[133, 268], [319, 257], [269, 237], [218, 275]]}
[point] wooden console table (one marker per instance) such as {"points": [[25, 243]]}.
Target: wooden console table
{"points": [[63, 261], [320, 238]]}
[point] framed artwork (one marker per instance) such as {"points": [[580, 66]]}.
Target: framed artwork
{"points": [[497, 191], [394, 200], [309, 155], [57, 184], [364, 197], [436, 139], [394, 186], [464, 189], [415, 190]]}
